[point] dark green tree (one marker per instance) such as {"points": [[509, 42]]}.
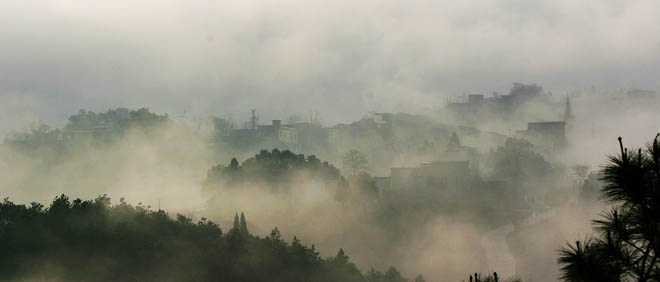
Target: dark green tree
{"points": [[233, 165], [244, 229], [517, 160], [76, 240], [270, 169], [237, 226], [625, 247], [341, 258], [493, 277], [393, 275]]}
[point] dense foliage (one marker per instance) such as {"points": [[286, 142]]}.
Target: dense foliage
{"points": [[628, 235], [86, 126], [96, 241], [119, 119], [517, 160], [274, 169]]}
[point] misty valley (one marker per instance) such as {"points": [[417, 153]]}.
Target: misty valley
{"points": [[523, 186]]}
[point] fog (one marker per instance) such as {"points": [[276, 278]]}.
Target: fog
{"points": [[165, 169], [341, 58], [343, 61]]}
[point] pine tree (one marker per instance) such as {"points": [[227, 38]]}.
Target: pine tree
{"points": [[454, 144], [233, 165], [341, 258], [243, 226], [236, 224], [625, 247]]}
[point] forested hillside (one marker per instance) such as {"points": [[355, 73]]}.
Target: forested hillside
{"points": [[93, 240]]}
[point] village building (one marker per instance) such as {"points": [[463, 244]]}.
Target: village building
{"points": [[311, 135], [547, 135], [279, 136], [274, 135], [641, 93], [478, 108]]}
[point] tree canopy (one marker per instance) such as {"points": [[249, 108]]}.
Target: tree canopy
{"points": [[517, 160], [116, 119], [90, 125], [76, 240], [274, 169]]}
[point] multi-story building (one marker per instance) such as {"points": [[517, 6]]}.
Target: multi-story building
{"points": [[279, 136], [271, 136], [547, 134], [311, 135]]}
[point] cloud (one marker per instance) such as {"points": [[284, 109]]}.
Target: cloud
{"points": [[341, 58]]}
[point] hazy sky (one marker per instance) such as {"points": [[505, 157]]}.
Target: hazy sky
{"points": [[340, 58]]}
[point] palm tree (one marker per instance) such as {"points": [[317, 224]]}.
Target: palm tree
{"points": [[628, 235]]}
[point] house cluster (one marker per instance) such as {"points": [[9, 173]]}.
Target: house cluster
{"points": [[297, 136], [477, 105], [275, 135], [450, 177], [641, 93], [451, 180], [548, 135]]}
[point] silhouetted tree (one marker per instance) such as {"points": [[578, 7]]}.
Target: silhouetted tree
{"points": [[99, 129], [628, 235], [341, 258], [454, 144], [580, 171], [518, 161], [233, 165], [237, 226], [591, 187], [75, 240], [114, 120], [493, 277], [274, 169], [244, 229], [393, 275], [355, 161]]}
